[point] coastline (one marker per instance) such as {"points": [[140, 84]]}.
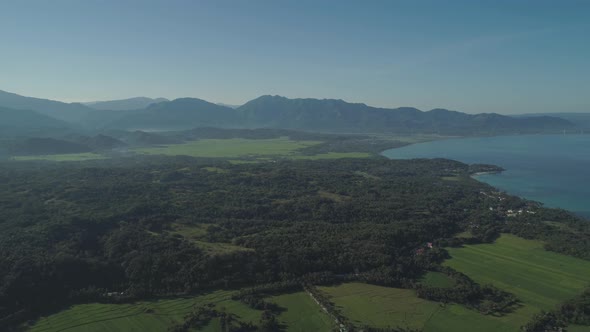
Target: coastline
{"points": [[476, 174], [528, 175]]}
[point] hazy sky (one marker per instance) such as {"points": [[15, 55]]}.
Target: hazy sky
{"points": [[472, 56]]}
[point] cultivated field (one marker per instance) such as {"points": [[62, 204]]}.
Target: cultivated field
{"points": [[230, 148], [300, 314], [333, 155], [62, 157], [437, 279], [378, 306], [196, 234], [145, 316], [254, 149], [303, 313], [539, 278], [239, 149]]}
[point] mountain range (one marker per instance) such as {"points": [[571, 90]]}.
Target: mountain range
{"points": [[329, 115], [71, 112], [124, 104]]}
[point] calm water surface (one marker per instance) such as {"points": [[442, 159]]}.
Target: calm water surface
{"points": [[553, 169]]}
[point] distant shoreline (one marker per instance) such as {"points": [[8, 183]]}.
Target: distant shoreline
{"points": [[574, 203], [486, 173]]}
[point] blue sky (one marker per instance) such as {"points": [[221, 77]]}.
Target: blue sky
{"points": [[472, 56]]}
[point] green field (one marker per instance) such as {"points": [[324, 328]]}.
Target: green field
{"points": [[241, 150], [539, 278], [379, 306], [62, 157], [196, 234], [257, 149], [146, 316], [334, 155], [437, 279], [578, 328], [303, 313], [230, 148]]}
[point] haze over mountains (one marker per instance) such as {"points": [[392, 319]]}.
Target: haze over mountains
{"points": [[124, 104], [328, 115], [71, 112], [580, 119]]}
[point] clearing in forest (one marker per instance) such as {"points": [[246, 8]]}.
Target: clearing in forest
{"points": [[437, 279]]}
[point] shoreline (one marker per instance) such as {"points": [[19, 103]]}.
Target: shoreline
{"points": [[582, 214], [485, 173]]}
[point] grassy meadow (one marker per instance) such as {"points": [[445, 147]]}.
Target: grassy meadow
{"points": [[539, 278], [299, 313], [230, 148], [62, 157], [302, 314], [146, 316], [196, 234], [333, 155], [238, 150], [437, 279], [379, 306]]}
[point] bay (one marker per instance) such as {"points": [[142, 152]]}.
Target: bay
{"points": [[552, 169]]}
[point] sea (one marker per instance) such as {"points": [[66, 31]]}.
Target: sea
{"points": [[551, 169]]}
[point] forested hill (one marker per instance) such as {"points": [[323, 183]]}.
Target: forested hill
{"points": [[582, 120], [330, 114], [26, 122], [183, 113], [284, 113], [28, 119], [73, 112]]}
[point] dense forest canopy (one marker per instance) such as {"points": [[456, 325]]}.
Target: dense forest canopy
{"points": [[156, 226]]}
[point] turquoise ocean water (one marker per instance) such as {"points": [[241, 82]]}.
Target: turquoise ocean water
{"points": [[552, 169]]}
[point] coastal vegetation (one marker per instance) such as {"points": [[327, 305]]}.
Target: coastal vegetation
{"points": [[165, 227]]}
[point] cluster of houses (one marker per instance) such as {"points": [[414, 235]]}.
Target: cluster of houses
{"points": [[421, 250], [514, 213], [494, 194], [510, 212]]}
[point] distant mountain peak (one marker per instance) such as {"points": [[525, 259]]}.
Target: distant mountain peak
{"points": [[134, 103], [56, 109], [275, 111]]}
